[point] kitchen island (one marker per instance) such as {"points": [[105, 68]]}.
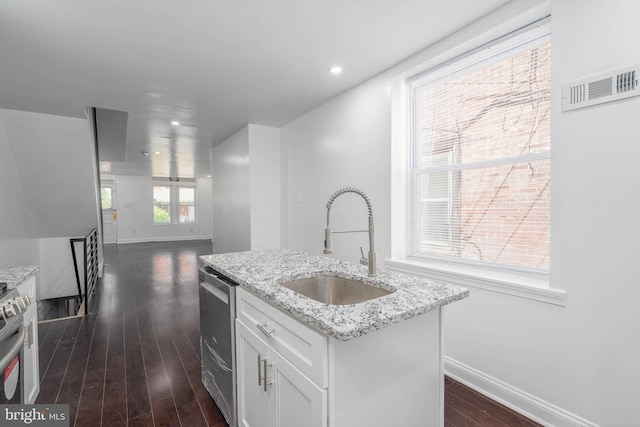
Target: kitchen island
{"points": [[303, 362]]}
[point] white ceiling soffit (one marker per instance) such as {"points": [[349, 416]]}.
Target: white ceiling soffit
{"points": [[213, 66], [111, 127]]}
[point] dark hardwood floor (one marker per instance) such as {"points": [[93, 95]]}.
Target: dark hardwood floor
{"points": [[465, 407], [135, 360]]}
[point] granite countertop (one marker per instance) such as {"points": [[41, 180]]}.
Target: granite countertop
{"points": [[261, 271], [13, 276]]}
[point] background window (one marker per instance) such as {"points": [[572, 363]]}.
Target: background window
{"points": [[480, 156], [161, 205], [174, 202], [187, 204], [106, 197]]}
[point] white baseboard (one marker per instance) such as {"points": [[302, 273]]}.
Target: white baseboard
{"points": [[162, 239], [530, 406]]}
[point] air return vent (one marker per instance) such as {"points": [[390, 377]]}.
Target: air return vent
{"points": [[619, 84]]}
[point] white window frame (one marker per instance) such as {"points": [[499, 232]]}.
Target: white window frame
{"points": [[528, 285], [195, 203], [174, 185]]}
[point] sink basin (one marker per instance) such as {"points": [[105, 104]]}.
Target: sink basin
{"points": [[335, 290]]}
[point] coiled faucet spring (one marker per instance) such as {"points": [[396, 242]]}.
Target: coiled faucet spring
{"points": [[349, 190], [370, 260]]}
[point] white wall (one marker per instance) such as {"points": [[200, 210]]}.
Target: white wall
{"points": [[343, 143], [264, 173], [231, 194], [573, 365], [134, 202], [56, 163], [47, 194], [18, 237], [246, 190], [595, 213], [57, 276]]}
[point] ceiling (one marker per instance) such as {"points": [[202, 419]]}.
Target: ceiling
{"points": [[211, 65]]}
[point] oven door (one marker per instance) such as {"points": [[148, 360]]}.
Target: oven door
{"points": [[11, 347], [217, 341]]}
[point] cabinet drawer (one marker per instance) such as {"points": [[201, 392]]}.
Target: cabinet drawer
{"points": [[303, 347]]}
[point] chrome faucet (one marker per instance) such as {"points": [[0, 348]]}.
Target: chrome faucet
{"points": [[370, 260]]}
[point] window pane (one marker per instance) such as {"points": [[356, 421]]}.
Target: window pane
{"points": [[504, 214], [498, 215], [498, 111], [187, 204], [106, 197], [161, 205]]}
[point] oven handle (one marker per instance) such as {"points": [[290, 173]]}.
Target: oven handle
{"points": [[15, 349], [217, 290]]}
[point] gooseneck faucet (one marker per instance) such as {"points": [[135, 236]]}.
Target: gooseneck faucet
{"points": [[371, 259]]}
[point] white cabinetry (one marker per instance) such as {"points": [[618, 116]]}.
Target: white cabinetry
{"points": [[393, 376], [272, 391], [30, 360]]}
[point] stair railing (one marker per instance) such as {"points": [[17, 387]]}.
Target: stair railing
{"points": [[89, 266]]}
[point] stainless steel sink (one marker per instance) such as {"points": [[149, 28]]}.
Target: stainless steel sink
{"points": [[335, 290]]}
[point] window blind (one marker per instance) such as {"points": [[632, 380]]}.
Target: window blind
{"points": [[479, 184]]}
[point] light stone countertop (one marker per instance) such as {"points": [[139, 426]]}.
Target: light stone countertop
{"points": [[13, 276], [261, 271]]}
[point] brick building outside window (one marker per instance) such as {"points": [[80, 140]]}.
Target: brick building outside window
{"points": [[479, 184]]}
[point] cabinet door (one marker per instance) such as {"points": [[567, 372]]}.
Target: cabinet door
{"points": [[297, 400], [290, 399], [31, 380], [253, 401]]}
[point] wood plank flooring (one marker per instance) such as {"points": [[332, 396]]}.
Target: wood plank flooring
{"points": [[135, 360]]}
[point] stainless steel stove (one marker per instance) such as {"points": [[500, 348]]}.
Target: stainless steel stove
{"points": [[12, 307]]}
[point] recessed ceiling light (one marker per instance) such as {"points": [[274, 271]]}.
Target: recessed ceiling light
{"points": [[175, 123], [208, 176], [335, 69], [156, 152], [144, 153]]}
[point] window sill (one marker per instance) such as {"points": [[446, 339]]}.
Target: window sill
{"points": [[495, 281]]}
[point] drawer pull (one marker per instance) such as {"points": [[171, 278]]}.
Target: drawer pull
{"points": [[265, 330]]}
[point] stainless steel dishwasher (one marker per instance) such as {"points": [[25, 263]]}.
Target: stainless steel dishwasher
{"points": [[217, 339]]}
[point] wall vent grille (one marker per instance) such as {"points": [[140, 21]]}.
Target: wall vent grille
{"points": [[601, 88]]}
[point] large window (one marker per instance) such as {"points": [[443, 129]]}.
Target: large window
{"points": [[174, 200], [479, 166]]}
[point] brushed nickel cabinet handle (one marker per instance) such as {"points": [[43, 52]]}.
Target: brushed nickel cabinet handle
{"points": [[30, 339], [264, 380], [265, 329]]}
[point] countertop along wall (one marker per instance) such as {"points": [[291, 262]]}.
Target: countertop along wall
{"points": [[567, 366]]}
